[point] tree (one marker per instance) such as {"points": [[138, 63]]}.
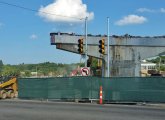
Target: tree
{"points": [[1, 67], [9, 70], [159, 61], [27, 73]]}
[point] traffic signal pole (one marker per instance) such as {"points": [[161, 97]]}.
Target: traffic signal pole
{"points": [[108, 71], [86, 50]]}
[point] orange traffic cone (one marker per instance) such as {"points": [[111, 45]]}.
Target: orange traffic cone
{"points": [[101, 95]]}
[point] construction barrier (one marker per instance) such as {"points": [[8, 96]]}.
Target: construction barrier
{"points": [[127, 89], [59, 88]]}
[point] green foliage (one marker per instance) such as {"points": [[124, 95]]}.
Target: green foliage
{"points": [[27, 73], [10, 70], [159, 60], [41, 69], [162, 68], [94, 62], [1, 67], [94, 66]]}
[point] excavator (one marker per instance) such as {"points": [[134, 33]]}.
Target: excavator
{"points": [[8, 87]]}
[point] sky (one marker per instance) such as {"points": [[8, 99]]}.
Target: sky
{"points": [[25, 25]]}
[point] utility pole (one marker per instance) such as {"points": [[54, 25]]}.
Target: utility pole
{"points": [[86, 32]]}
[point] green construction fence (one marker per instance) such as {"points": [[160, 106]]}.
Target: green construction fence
{"points": [[115, 89]]}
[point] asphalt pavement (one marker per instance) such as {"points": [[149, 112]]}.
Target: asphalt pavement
{"points": [[39, 110]]}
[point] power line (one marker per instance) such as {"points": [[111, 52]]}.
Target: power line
{"points": [[34, 10]]}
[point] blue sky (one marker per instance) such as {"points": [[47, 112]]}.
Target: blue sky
{"points": [[24, 35]]}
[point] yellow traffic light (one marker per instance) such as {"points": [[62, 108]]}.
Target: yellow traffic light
{"points": [[80, 46], [102, 46]]}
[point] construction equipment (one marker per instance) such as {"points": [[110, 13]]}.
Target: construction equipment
{"points": [[8, 87], [145, 73]]}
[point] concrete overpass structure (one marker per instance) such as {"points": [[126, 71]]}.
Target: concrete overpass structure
{"points": [[126, 52]]}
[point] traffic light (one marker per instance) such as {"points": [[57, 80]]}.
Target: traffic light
{"points": [[102, 46], [80, 46]]}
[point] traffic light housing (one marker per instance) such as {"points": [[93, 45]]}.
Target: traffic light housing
{"points": [[80, 46], [102, 46]]}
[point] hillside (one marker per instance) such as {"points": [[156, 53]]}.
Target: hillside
{"points": [[41, 69]]}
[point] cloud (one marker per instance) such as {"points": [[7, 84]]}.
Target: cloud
{"points": [[65, 11], [142, 10], [162, 10], [131, 19], [145, 10], [33, 37]]}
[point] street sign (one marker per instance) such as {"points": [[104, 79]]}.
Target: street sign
{"points": [[85, 71]]}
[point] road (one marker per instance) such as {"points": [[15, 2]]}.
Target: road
{"points": [[33, 110]]}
